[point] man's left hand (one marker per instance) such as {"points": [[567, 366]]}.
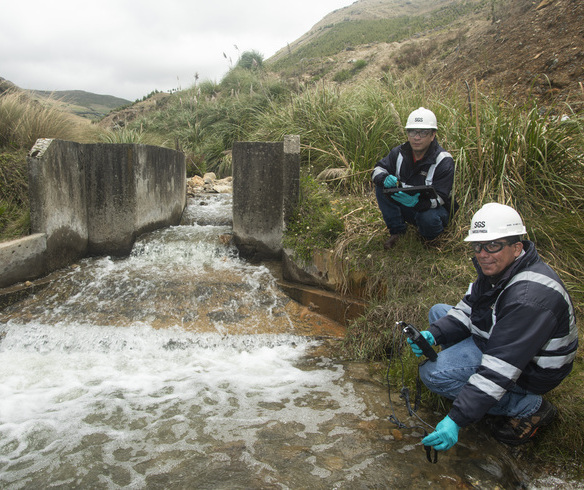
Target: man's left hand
{"points": [[405, 199], [444, 437]]}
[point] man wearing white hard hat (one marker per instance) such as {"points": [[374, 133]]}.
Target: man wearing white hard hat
{"points": [[511, 339], [420, 161]]}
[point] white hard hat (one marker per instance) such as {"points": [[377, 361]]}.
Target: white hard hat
{"points": [[494, 221], [422, 119]]}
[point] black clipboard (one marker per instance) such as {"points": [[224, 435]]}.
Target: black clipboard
{"points": [[426, 191]]}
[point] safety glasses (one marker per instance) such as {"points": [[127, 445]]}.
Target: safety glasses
{"points": [[422, 133], [489, 247]]}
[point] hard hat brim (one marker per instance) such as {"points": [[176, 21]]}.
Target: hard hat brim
{"points": [[420, 126], [488, 237]]}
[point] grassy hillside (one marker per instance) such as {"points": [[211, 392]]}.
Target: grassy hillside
{"points": [[77, 102], [519, 48], [367, 10], [356, 29], [84, 104]]}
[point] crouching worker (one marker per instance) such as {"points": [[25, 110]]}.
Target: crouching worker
{"points": [[419, 161], [510, 340]]}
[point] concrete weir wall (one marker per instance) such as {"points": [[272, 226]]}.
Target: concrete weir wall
{"points": [[92, 199], [265, 190]]}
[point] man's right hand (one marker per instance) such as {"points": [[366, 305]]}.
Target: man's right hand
{"points": [[390, 181], [444, 437], [428, 336]]}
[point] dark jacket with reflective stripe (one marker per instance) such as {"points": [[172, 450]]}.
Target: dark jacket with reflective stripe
{"points": [[525, 327], [420, 173]]}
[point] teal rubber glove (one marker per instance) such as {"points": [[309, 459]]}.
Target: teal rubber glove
{"points": [[444, 437], [405, 199], [390, 181], [428, 336]]}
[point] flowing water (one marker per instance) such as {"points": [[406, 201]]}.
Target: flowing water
{"points": [[183, 366]]}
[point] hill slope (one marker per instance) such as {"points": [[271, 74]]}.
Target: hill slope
{"points": [[78, 102], [366, 10], [528, 46], [515, 47], [81, 103]]}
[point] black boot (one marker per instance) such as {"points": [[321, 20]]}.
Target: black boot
{"points": [[519, 431], [391, 241]]}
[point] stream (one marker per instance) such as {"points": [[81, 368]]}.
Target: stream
{"points": [[183, 366]]}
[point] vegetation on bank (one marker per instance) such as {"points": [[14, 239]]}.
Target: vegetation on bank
{"points": [[523, 154]]}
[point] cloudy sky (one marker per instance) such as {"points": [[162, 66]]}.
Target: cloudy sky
{"points": [[128, 48]]}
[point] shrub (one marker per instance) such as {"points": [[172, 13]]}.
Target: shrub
{"points": [[251, 60], [411, 55], [343, 76], [208, 88]]}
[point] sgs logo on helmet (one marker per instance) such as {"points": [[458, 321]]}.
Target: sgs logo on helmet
{"points": [[479, 224]]}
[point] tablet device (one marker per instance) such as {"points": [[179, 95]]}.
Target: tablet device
{"points": [[426, 191]]}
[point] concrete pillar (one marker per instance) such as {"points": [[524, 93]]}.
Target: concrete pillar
{"points": [[58, 201], [265, 191]]}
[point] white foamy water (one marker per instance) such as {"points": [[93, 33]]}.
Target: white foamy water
{"points": [[72, 397]]}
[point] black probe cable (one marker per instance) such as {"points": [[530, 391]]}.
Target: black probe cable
{"points": [[405, 394]]}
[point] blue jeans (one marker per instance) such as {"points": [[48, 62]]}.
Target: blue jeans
{"points": [[458, 362], [430, 223]]}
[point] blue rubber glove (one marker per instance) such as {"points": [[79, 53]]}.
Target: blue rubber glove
{"points": [[444, 437], [390, 181], [405, 199], [428, 336]]}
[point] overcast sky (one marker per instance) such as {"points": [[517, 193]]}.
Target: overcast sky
{"points": [[128, 48]]}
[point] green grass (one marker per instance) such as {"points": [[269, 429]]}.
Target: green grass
{"points": [[206, 119], [314, 224], [130, 135], [23, 120], [14, 204], [346, 74]]}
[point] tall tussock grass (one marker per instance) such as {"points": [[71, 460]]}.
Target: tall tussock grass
{"points": [[23, 120], [346, 129], [205, 120]]}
